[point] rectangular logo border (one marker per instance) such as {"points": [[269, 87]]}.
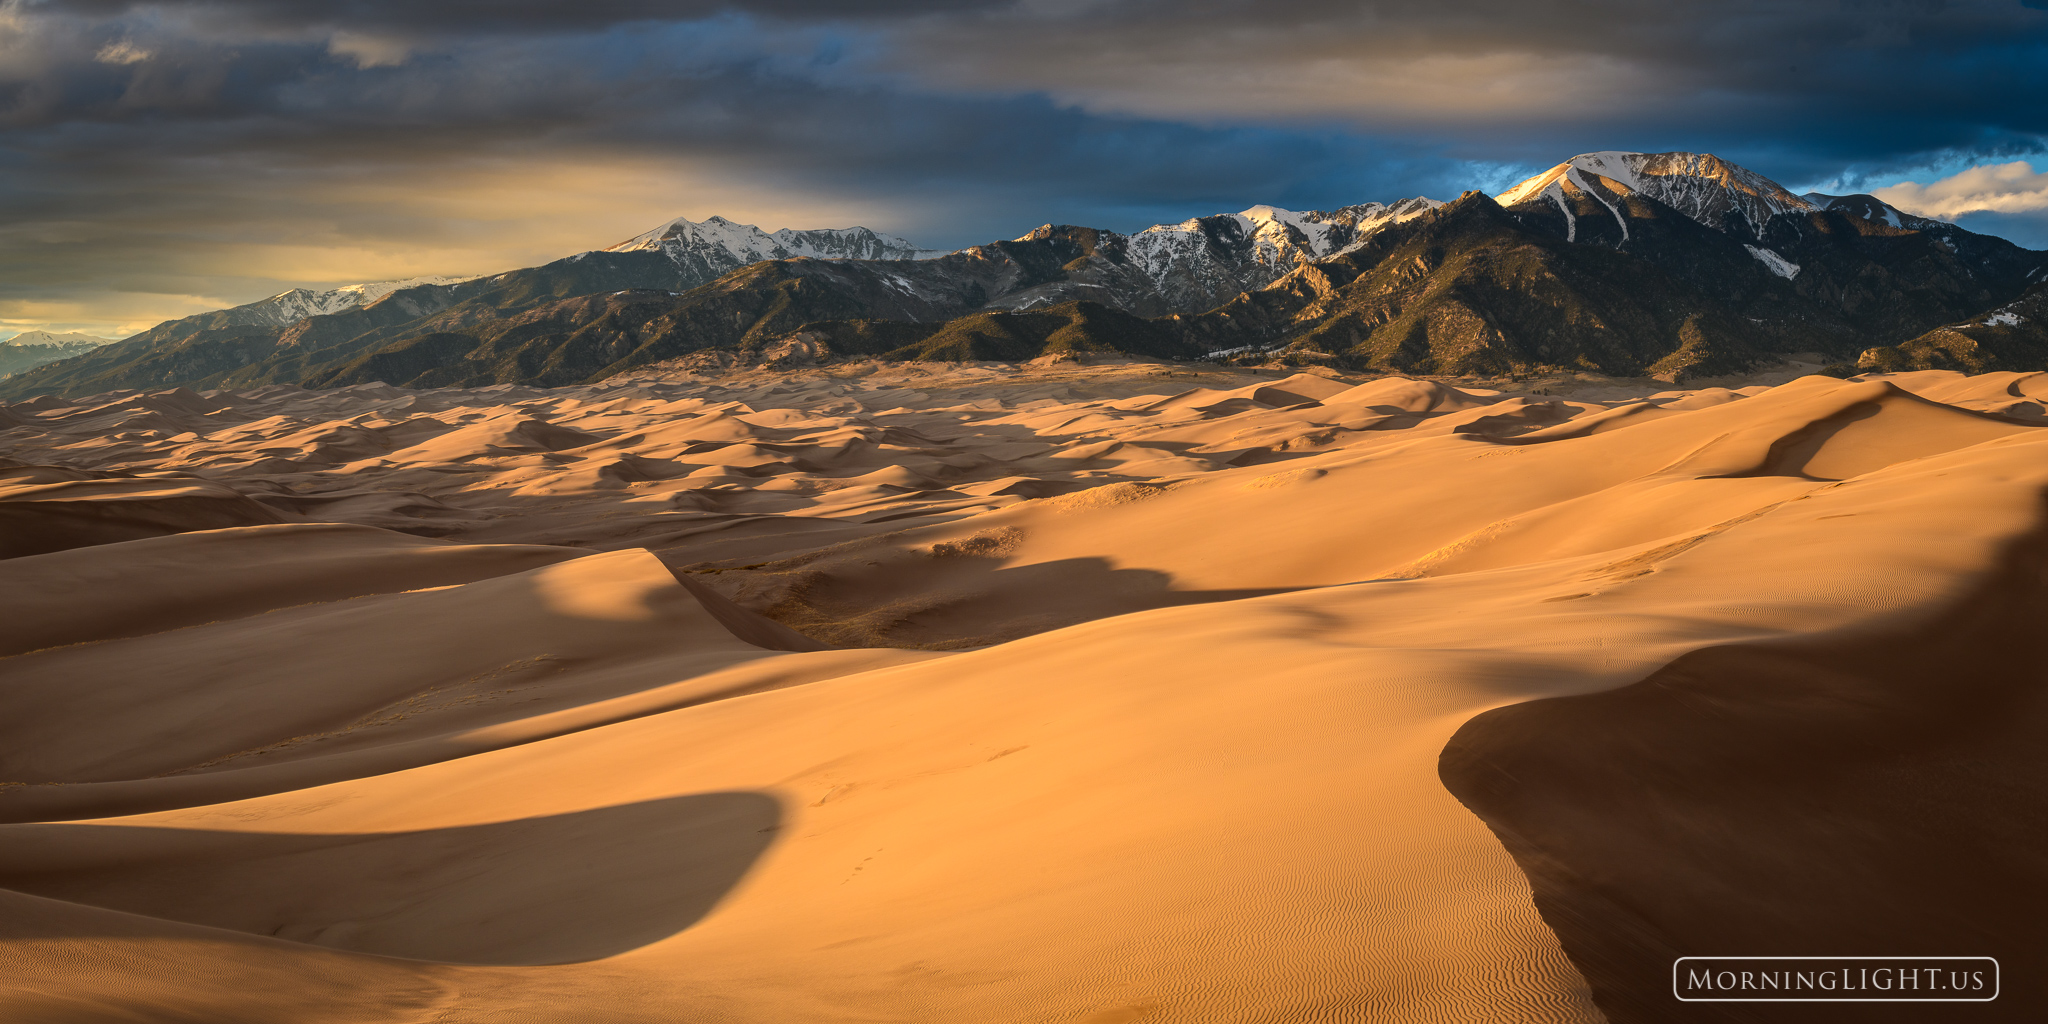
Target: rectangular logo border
{"points": [[1998, 976]]}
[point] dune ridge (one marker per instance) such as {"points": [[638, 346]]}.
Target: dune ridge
{"points": [[1052, 693]]}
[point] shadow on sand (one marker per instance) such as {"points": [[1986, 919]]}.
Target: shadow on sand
{"points": [[556, 889]]}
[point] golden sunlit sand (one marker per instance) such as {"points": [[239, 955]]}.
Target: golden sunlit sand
{"points": [[1056, 693]]}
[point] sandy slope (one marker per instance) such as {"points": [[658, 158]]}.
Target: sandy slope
{"points": [[1146, 696]]}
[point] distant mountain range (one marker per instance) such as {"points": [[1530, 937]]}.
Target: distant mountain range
{"points": [[721, 245], [1672, 264], [30, 349]]}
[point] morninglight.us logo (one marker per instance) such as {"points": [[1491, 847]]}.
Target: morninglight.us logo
{"points": [[1835, 979]]}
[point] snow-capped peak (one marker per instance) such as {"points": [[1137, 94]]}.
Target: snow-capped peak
{"points": [[1219, 255], [371, 292], [718, 241], [1702, 186], [290, 307], [1286, 235], [1276, 236], [46, 339]]}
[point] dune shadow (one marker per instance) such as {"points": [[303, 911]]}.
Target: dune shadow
{"points": [[907, 598], [556, 889], [1878, 790]]}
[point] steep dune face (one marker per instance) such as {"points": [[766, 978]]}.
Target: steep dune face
{"points": [[1874, 791], [1291, 700]]}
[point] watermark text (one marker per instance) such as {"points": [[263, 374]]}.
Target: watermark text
{"points": [[1864, 979]]}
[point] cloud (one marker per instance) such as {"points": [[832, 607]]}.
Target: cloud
{"points": [[223, 150], [1990, 188], [370, 50], [489, 16], [122, 52], [1523, 68]]}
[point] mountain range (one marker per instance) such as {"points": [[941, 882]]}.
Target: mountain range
{"points": [[30, 349], [1668, 264]]}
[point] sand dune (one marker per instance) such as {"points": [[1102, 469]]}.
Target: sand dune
{"points": [[50, 508], [1061, 693]]}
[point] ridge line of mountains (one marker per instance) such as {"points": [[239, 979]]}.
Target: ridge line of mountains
{"points": [[1673, 265], [30, 349]]}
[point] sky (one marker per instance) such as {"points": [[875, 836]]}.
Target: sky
{"points": [[162, 159]]}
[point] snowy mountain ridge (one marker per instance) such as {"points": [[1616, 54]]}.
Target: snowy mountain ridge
{"points": [[1197, 263], [1279, 238], [718, 241], [30, 349], [290, 307], [46, 339], [1702, 186]]}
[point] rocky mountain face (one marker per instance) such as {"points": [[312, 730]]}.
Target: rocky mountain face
{"points": [[1197, 264], [597, 336], [30, 349], [1165, 269], [678, 255], [1672, 264], [748, 310], [212, 348], [287, 308], [1471, 288], [1184, 268], [1058, 268], [561, 321], [1819, 273], [299, 303], [2013, 336]]}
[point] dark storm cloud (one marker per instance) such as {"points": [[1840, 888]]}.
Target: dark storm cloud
{"points": [[1834, 80], [143, 146], [778, 117], [1811, 87], [496, 15], [179, 174]]}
